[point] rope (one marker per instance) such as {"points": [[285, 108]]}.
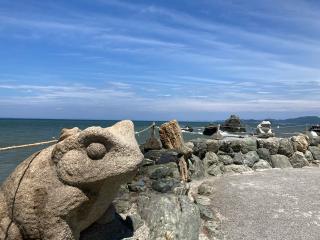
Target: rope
{"points": [[15, 195], [54, 141], [27, 145], [147, 128]]}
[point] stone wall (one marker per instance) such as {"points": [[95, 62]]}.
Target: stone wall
{"points": [[158, 183]]}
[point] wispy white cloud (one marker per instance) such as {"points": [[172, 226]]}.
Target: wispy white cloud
{"points": [[48, 25], [138, 40], [164, 95], [121, 85], [42, 94], [211, 106]]}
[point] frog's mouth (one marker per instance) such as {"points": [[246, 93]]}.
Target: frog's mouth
{"points": [[96, 154]]}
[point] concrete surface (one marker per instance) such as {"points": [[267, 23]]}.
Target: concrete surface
{"points": [[274, 204]]}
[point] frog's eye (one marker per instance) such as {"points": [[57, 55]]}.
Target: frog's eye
{"points": [[96, 151]]}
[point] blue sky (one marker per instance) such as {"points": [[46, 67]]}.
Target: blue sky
{"points": [[190, 60]]}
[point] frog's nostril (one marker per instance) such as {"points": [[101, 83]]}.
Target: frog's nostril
{"points": [[96, 151]]}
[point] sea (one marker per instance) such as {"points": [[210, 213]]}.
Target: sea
{"points": [[26, 131]]}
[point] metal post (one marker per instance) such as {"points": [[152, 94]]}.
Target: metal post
{"points": [[153, 130]]}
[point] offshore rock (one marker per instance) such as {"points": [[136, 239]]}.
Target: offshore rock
{"points": [[233, 124], [63, 189], [210, 130]]}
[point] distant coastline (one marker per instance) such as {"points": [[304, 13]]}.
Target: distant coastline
{"points": [[303, 119]]}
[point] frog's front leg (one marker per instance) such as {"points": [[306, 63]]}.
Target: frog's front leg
{"points": [[63, 201], [59, 229], [8, 229]]}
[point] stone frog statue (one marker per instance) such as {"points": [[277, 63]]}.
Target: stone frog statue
{"points": [[63, 189]]}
